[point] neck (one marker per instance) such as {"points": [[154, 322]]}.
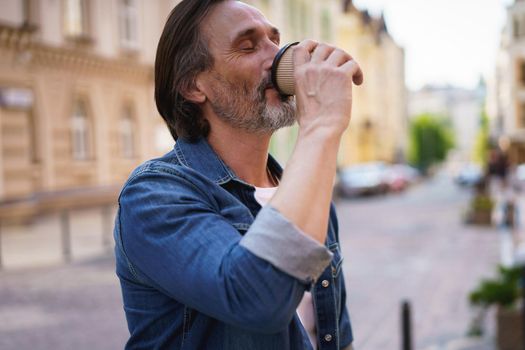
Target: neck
{"points": [[245, 153]]}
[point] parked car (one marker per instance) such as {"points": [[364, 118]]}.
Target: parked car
{"points": [[363, 179], [469, 175], [400, 176]]}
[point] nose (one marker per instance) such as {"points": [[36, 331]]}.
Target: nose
{"points": [[272, 50]]}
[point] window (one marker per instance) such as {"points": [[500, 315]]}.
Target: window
{"points": [[521, 121], [27, 9], [518, 26], [300, 18], [127, 134], [520, 72], [293, 17], [80, 132], [76, 18], [326, 29], [128, 24], [306, 20], [265, 6]]}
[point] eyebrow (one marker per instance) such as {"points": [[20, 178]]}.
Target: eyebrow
{"points": [[252, 31]]}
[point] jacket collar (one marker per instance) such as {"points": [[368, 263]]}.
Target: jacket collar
{"points": [[200, 157]]}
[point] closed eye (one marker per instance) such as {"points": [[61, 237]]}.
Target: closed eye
{"points": [[247, 46]]}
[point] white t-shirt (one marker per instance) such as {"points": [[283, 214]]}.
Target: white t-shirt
{"points": [[305, 310]]}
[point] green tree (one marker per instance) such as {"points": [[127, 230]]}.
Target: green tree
{"points": [[430, 140]]}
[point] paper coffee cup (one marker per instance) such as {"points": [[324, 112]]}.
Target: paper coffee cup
{"points": [[283, 70]]}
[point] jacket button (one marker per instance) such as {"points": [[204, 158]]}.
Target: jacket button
{"points": [[325, 283], [333, 271], [328, 337]]}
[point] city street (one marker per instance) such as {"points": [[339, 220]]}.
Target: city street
{"points": [[407, 246], [414, 246]]}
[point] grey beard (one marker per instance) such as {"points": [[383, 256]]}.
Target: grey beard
{"points": [[249, 111]]}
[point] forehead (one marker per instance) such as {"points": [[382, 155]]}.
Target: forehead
{"points": [[229, 18]]}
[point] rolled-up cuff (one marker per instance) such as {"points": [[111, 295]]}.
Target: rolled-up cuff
{"points": [[277, 240]]}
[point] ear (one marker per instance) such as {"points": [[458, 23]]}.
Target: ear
{"points": [[194, 91]]}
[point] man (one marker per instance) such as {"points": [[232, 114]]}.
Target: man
{"points": [[216, 247]]}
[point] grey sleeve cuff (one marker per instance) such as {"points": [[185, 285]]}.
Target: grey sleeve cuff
{"points": [[277, 240]]}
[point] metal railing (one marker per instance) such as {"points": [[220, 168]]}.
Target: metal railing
{"points": [[62, 203]]}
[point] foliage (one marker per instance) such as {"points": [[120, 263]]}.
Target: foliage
{"points": [[482, 143], [482, 203], [504, 290], [430, 140]]}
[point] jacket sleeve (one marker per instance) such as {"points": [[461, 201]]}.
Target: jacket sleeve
{"points": [[172, 233]]}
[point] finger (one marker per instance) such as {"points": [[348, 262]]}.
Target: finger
{"points": [[321, 53], [302, 51], [338, 58], [355, 71]]}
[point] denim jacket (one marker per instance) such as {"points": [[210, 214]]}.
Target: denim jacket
{"points": [[203, 266]]}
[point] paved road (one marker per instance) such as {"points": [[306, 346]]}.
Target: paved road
{"points": [[76, 306], [414, 246], [405, 246]]}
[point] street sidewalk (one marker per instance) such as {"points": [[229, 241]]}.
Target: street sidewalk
{"points": [[486, 343], [43, 243]]}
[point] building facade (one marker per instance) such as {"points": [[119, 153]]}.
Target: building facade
{"points": [[462, 108], [76, 88], [507, 92], [76, 92], [378, 130]]}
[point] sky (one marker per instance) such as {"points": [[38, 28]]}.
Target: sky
{"points": [[446, 41]]}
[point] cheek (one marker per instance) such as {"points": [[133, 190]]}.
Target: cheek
{"points": [[247, 83], [247, 73]]}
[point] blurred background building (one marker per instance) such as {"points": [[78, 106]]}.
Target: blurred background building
{"points": [[378, 130], [460, 107], [77, 114], [76, 89], [76, 92], [507, 93]]}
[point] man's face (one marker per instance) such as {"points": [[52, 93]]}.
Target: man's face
{"points": [[243, 44]]}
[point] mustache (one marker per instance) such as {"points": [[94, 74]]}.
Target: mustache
{"points": [[266, 83]]}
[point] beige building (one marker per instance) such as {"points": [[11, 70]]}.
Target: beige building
{"points": [[76, 88], [76, 93], [301, 19], [507, 93], [378, 130]]}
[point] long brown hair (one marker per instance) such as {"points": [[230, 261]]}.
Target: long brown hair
{"points": [[182, 53]]}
